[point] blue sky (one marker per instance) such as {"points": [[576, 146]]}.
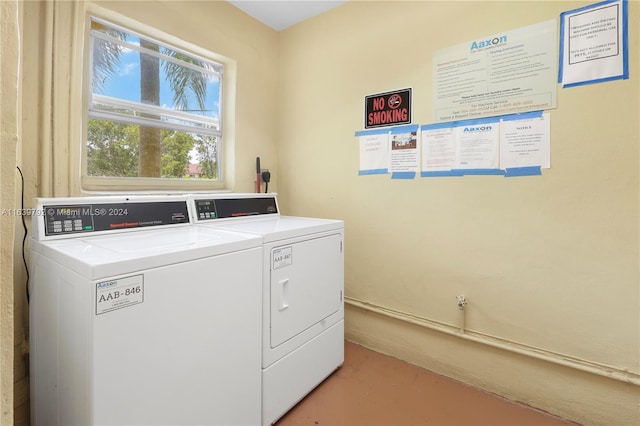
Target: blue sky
{"points": [[125, 84]]}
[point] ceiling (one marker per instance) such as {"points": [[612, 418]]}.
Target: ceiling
{"points": [[280, 14]]}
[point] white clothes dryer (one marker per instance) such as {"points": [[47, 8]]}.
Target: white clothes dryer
{"points": [[302, 293], [137, 317]]}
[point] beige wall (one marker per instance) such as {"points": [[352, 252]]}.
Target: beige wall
{"points": [[549, 264]]}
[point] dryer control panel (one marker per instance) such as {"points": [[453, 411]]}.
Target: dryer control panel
{"points": [[223, 208]]}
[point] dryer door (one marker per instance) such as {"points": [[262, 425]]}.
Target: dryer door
{"points": [[307, 279]]}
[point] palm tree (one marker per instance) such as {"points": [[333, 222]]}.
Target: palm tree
{"points": [[150, 160], [182, 80]]}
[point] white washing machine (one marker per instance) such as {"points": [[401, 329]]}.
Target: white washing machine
{"points": [[302, 293], [139, 317]]}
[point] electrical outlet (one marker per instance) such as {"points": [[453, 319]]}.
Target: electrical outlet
{"points": [[462, 302]]}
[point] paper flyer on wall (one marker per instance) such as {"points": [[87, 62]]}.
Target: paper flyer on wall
{"points": [[374, 151], [405, 148], [478, 146], [525, 143], [438, 143], [505, 73], [594, 44]]}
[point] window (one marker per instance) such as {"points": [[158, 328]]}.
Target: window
{"points": [[154, 114]]}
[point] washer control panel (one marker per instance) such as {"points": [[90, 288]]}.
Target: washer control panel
{"points": [[63, 219]]}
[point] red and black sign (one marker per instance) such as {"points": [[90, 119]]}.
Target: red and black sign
{"points": [[387, 109]]}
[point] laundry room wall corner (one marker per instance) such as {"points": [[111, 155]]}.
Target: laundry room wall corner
{"points": [[9, 135]]}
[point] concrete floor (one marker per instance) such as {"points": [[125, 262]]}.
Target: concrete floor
{"points": [[374, 389]]}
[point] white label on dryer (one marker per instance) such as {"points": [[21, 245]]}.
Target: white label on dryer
{"points": [[118, 294], [281, 257]]}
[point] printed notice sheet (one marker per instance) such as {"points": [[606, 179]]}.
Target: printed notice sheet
{"points": [[374, 151], [525, 141], [510, 72], [438, 143], [478, 144], [594, 44], [405, 160]]}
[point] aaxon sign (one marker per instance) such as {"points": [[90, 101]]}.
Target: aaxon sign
{"points": [[387, 109]]}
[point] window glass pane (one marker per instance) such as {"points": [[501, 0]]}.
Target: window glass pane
{"points": [[154, 110], [113, 151], [126, 67]]}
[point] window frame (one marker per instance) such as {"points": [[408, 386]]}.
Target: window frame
{"points": [[226, 139]]}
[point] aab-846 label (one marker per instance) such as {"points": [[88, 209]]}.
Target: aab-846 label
{"points": [[119, 293]]}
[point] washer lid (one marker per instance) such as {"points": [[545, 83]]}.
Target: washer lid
{"points": [[281, 227], [110, 255]]}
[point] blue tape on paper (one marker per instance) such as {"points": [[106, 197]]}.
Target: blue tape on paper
{"points": [[625, 40], [466, 172], [403, 175], [523, 171], [436, 126], [404, 129], [561, 50], [373, 172], [371, 132], [441, 173], [523, 116], [596, 81], [476, 121]]}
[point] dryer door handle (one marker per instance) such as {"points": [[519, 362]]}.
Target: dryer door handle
{"points": [[283, 297]]}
